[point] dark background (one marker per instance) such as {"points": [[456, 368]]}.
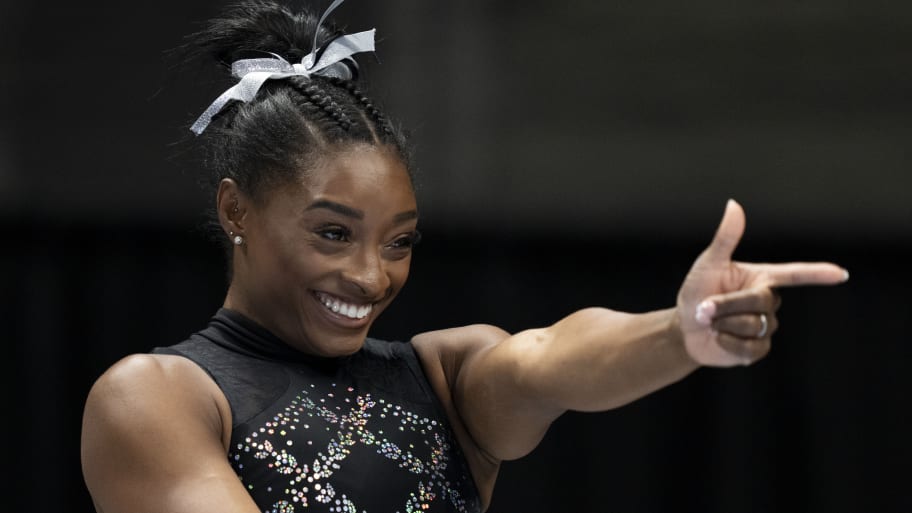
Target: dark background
{"points": [[570, 154]]}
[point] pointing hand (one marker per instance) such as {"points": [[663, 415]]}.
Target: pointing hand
{"points": [[727, 309]]}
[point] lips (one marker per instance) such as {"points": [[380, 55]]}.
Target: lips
{"points": [[338, 306]]}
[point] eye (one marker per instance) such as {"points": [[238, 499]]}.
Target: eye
{"points": [[334, 233], [406, 241]]}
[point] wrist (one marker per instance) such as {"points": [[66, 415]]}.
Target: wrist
{"points": [[674, 330]]}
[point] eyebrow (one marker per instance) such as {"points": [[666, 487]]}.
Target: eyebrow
{"points": [[337, 208], [405, 216], [354, 213]]}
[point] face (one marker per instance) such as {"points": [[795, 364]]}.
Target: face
{"points": [[324, 257]]}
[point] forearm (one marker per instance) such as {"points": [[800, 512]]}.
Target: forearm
{"points": [[598, 359]]}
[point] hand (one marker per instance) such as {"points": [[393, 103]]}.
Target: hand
{"points": [[727, 309]]}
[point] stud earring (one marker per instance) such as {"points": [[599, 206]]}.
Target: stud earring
{"points": [[236, 239]]}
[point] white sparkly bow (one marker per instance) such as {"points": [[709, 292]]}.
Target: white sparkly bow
{"points": [[253, 73]]}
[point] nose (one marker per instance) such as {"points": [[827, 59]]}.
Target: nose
{"points": [[366, 274]]}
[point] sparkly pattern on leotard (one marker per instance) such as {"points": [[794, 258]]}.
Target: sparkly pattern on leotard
{"points": [[356, 422], [332, 438]]}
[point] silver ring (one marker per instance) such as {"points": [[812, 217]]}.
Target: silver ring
{"points": [[764, 325]]}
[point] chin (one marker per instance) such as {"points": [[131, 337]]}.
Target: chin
{"points": [[345, 346], [329, 341]]}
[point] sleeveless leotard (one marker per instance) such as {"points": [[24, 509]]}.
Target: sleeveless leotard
{"points": [[358, 434]]}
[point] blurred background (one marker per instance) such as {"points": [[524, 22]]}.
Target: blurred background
{"points": [[570, 154]]}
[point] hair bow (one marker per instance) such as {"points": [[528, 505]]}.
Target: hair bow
{"points": [[253, 73]]}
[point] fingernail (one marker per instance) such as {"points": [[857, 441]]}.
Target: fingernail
{"points": [[705, 312], [845, 276]]}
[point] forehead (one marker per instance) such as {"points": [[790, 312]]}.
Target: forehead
{"points": [[362, 176], [358, 167]]}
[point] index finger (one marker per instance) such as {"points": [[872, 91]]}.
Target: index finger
{"points": [[793, 274]]}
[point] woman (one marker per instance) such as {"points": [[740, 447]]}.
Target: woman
{"points": [[284, 404]]}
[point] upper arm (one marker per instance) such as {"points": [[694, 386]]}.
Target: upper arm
{"points": [[487, 374], [154, 437]]}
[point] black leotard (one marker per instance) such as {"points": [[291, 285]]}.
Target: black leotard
{"points": [[358, 434]]}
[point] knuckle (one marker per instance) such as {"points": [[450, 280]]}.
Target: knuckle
{"points": [[760, 349], [773, 325], [767, 299]]}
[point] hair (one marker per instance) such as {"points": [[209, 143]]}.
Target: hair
{"points": [[292, 122]]}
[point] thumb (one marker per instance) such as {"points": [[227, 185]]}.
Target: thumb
{"points": [[729, 233]]}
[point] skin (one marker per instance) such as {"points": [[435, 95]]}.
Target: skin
{"points": [[329, 235], [147, 448]]}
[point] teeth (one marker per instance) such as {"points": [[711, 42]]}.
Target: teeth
{"points": [[351, 311]]}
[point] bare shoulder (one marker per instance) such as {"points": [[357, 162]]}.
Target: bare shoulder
{"points": [[142, 383], [142, 370], [145, 394], [458, 343], [152, 426], [444, 353]]}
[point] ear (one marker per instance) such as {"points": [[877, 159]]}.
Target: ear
{"points": [[232, 206]]}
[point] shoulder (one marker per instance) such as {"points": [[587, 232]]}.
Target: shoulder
{"points": [[140, 375], [450, 350], [155, 432], [142, 391], [462, 341]]}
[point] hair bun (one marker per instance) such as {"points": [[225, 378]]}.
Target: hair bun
{"points": [[258, 26]]}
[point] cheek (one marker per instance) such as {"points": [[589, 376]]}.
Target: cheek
{"points": [[281, 263], [399, 272]]}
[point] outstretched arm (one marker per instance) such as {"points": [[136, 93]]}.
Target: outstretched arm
{"points": [[509, 388]]}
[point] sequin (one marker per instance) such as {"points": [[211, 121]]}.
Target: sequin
{"points": [[350, 419], [282, 507]]}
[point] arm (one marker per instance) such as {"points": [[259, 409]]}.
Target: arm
{"points": [[508, 389], [154, 437]]}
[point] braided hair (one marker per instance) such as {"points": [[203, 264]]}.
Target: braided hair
{"points": [[292, 122]]}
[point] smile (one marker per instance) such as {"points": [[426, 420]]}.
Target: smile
{"points": [[338, 306]]}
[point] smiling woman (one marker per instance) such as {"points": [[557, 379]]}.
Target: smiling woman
{"points": [[326, 254], [283, 403]]}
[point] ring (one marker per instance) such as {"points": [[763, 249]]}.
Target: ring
{"points": [[764, 325]]}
